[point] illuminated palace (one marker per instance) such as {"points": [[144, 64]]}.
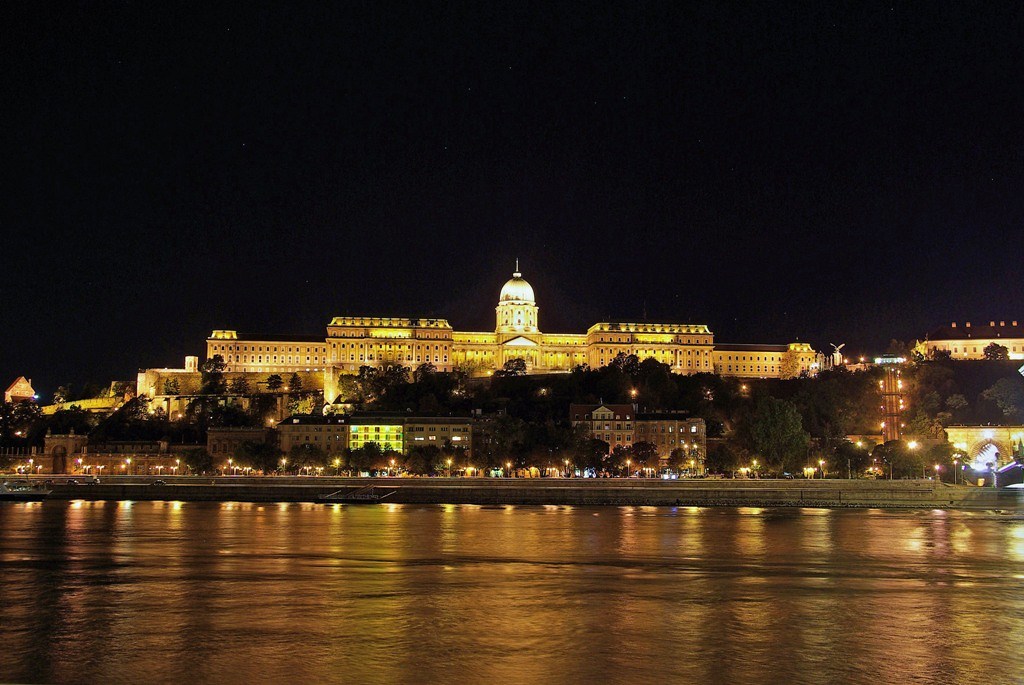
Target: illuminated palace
{"points": [[354, 341]]}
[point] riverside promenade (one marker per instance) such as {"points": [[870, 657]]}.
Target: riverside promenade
{"points": [[558, 491]]}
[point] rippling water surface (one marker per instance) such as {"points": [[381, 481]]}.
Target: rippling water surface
{"points": [[204, 592]]}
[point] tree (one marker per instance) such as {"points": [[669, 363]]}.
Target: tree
{"points": [[213, 376], [61, 395], [239, 386], [74, 418], [423, 372], [171, 386], [898, 348], [382, 383], [645, 454], [899, 459], [850, 459], [628, 364], [199, 461], [260, 455], [1008, 394], [956, 402], [295, 383], [996, 352], [619, 456], [775, 431], [423, 459], [17, 419], [789, 365], [307, 454], [274, 382], [513, 367], [366, 457], [591, 453]]}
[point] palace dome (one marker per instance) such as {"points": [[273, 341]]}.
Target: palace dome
{"points": [[516, 289]]}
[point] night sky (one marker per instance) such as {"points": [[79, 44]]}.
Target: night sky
{"points": [[849, 174]]}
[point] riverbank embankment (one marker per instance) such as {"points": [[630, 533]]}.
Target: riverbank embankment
{"points": [[559, 491]]}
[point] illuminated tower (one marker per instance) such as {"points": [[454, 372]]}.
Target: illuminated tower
{"points": [[516, 312]]}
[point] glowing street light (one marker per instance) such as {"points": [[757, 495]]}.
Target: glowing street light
{"points": [[508, 469], [628, 471]]}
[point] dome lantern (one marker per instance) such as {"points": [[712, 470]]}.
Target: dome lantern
{"points": [[517, 289]]}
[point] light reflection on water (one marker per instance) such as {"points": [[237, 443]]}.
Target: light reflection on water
{"points": [[241, 592]]}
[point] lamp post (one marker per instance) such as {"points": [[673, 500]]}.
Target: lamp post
{"points": [[449, 468], [821, 465], [508, 469], [628, 472], [566, 468]]}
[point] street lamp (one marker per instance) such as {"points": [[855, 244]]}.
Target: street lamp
{"points": [[937, 469], [449, 468], [508, 469], [821, 465], [337, 467], [284, 462], [566, 468], [393, 466], [628, 471]]}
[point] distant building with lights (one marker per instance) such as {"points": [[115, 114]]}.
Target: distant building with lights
{"points": [[398, 432], [969, 341], [20, 390], [355, 341], [624, 425]]}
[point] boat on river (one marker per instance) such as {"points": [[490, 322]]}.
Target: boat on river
{"points": [[23, 492]]}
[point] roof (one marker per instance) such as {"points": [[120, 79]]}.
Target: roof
{"points": [[18, 381], [274, 337], [666, 415], [741, 347], [620, 409], [368, 419], [967, 331]]}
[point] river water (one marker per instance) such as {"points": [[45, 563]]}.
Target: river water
{"points": [[148, 592]]}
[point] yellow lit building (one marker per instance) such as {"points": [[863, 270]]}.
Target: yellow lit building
{"points": [[969, 342], [355, 341]]}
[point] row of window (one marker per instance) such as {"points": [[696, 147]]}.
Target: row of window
{"points": [[261, 348], [258, 359]]}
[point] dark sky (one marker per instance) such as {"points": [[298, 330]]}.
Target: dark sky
{"points": [[830, 172]]}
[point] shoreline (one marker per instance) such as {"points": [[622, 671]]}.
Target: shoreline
{"points": [[835, 493]]}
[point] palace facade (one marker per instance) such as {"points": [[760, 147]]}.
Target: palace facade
{"points": [[355, 341], [969, 342]]}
